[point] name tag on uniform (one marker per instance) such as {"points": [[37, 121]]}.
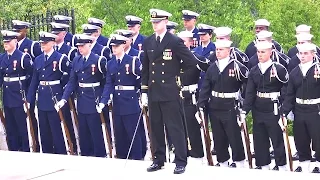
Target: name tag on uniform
{"points": [[167, 54]]}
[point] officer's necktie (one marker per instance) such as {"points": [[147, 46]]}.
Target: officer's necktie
{"points": [[118, 61], [56, 48], [158, 40], [203, 49], [84, 60], [46, 57], [9, 56]]}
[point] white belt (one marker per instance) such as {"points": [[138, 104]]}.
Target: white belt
{"points": [[308, 101], [224, 95], [12, 79], [50, 83], [271, 95], [125, 88], [191, 87], [85, 85]]}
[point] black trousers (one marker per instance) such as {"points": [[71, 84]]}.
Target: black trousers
{"points": [[168, 113], [226, 131], [265, 126], [306, 127], [193, 130]]}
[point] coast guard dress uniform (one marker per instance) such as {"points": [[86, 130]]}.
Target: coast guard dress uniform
{"points": [[97, 48], [264, 94], [69, 38], [48, 70], [220, 91], [160, 69], [97, 22], [33, 49], [70, 52], [137, 54], [85, 79], [122, 80], [302, 98], [188, 16], [134, 24], [15, 66]]}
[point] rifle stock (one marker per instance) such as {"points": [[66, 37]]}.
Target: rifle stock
{"points": [[33, 138], [70, 144], [144, 111], [288, 145], [205, 128], [247, 141], [73, 109], [105, 129], [3, 120]]}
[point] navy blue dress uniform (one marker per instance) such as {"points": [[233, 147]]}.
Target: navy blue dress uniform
{"points": [[188, 15], [160, 67], [34, 50], [220, 91], [204, 50], [264, 93], [303, 99], [122, 80], [48, 70], [70, 52], [14, 69], [138, 38], [137, 54], [85, 79], [97, 48], [98, 22], [69, 38]]}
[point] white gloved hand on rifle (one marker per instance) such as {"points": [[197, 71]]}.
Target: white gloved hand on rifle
{"points": [[283, 125], [100, 107], [199, 115], [144, 100], [60, 104], [110, 100], [26, 106], [242, 118]]}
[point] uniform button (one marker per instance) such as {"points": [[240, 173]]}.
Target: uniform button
{"points": [[162, 64], [119, 80], [6, 86], [162, 81], [162, 72], [82, 79], [7, 69], [152, 72], [42, 88], [82, 72], [118, 94], [6, 74], [118, 73], [82, 92], [153, 64], [44, 69], [152, 81], [42, 75]]}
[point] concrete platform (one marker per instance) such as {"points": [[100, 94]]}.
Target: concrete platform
{"points": [[27, 166]]}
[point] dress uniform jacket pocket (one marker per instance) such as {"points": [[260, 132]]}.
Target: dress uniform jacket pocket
{"points": [[12, 96], [125, 102]]}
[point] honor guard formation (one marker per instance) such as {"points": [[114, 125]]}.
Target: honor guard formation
{"points": [[128, 94]]}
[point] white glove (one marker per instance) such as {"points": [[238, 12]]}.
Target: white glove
{"points": [[60, 104], [99, 107], [199, 115], [193, 88], [283, 125], [110, 100], [242, 118], [26, 108], [144, 99]]}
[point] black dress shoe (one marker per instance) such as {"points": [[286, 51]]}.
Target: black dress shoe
{"points": [[154, 167], [179, 169], [299, 169], [272, 154], [295, 157], [258, 167], [217, 165], [276, 168], [316, 170], [214, 152], [233, 165]]}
